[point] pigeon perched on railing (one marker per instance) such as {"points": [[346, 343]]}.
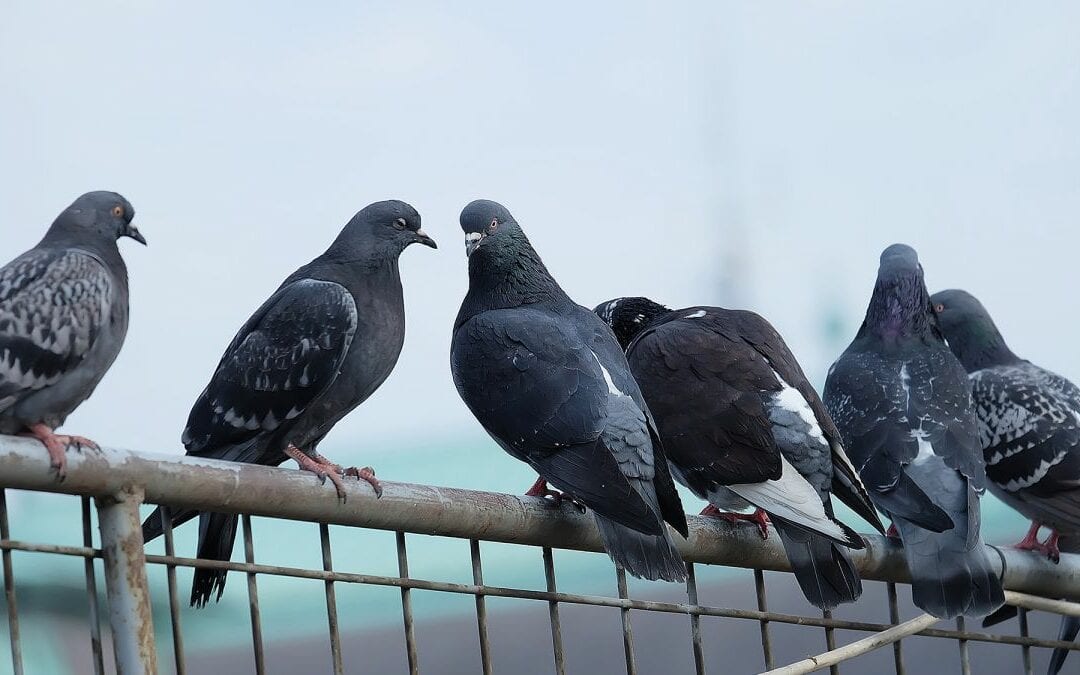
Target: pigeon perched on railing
{"points": [[1029, 428], [319, 347], [63, 318], [741, 425], [548, 380], [903, 406]]}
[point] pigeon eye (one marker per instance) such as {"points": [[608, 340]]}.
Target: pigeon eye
{"points": [[494, 225], [939, 308], [118, 211], [399, 224]]}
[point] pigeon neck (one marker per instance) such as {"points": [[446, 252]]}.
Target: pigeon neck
{"points": [[105, 248], [981, 346], [510, 275], [899, 309]]}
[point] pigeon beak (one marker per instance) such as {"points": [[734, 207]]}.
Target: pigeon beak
{"points": [[133, 232], [472, 241], [422, 238]]}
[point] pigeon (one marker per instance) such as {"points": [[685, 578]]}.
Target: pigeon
{"points": [[1029, 429], [903, 406], [741, 425], [319, 347], [63, 319], [547, 379]]}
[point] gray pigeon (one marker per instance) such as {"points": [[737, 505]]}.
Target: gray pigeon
{"points": [[548, 381], [319, 347], [903, 406], [743, 426], [1029, 428], [63, 318]]}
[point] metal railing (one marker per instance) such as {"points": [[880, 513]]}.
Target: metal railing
{"points": [[119, 481]]}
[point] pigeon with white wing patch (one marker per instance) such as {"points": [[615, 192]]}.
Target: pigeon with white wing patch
{"points": [[742, 426]]}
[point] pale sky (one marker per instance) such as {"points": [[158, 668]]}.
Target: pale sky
{"points": [[700, 153]]}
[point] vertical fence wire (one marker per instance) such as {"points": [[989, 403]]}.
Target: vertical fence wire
{"points": [[695, 620], [331, 601], [830, 641], [627, 631], [174, 595], [965, 657], [763, 606], [481, 607], [253, 599], [9, 590], [894, 619], [553, 614], [91, 593], [406, 606], [1025, 651]]}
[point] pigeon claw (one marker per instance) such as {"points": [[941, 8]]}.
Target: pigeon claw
{"points": [[540, 489], [57, 446], [758, 518], [1048, 548], [368, 474], [321, 467]]}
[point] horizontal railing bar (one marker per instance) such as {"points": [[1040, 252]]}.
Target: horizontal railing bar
{"points": [[545, 596], [230, 487]]}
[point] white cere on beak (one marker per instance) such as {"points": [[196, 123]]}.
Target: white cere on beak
{"points": [[472, 237]]}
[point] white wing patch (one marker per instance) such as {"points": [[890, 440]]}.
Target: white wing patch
{"points": [[696, 315], [607, 377], [790, 399], [791, 497]]}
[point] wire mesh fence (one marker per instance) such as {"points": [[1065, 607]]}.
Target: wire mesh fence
{"points": [[109, 488]]}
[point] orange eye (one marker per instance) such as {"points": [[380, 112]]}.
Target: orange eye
{"points": [[939, 308], [494, 225], [118, 211]]}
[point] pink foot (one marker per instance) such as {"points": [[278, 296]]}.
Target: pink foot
{"points": [[758, 517], [540, 489], [323, 471], [57, 446]]}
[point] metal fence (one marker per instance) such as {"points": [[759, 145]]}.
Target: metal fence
{"points": [[119, 481]]}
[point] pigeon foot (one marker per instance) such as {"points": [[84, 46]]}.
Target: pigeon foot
{"points": [[57, 446], [758, 517], [1031, 542], [368, 474], [540, 489], [891, 533], [320, 469]]}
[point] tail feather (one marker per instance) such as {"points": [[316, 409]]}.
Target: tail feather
{"points": [[825, 574], [949, 578], [217, 532], [1070, 626], [645, 556]]}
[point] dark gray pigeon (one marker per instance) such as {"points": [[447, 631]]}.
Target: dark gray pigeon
{"points": [[903, 406], [1029, 428], [63, 318], [548, 380], [320, 346], [742, 426]]}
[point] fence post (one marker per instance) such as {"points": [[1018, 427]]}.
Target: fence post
{"points": [[125, 582]]}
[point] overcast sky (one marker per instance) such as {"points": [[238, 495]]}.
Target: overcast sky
{"points": [[700, 153]]}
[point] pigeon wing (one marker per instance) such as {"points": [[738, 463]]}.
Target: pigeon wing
{"points": [[283, 358], [541, 392], [53, 305]]}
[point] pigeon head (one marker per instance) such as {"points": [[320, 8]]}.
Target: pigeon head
{"points": [[900, 304], [105, 216], [970, 331], [627, 317], [488, 225], [381, 230]]}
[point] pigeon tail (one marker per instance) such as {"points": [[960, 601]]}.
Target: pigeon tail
{"points": [[1070, 626], [949, 579], [217, 532], [825, 574], [645, 556]]}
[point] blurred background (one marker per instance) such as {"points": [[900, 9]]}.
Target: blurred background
{"points": [[739, 154]]}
